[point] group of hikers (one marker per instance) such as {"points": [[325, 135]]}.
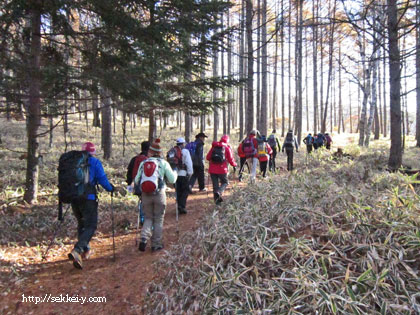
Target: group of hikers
{"points": [[317, 141], [149, 172]]}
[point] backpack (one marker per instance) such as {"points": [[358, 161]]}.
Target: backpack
{"points": [[262, 149], [248, 147], [149, 180], [320, 140], [328, 139], [191, 146], [272, 141], [174, 157], [139, 158], [288, 142], [73, 176], [218, 154], [309, 140]]}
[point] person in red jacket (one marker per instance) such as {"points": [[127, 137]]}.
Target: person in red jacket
{"points": [[264, 153], [219, 156]]}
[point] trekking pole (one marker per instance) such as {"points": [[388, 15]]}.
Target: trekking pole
{"points": [[112, 220], [138, 221], [176, 213], [61, 219]]}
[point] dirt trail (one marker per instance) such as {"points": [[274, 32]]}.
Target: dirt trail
{"points": [[122, 282]]}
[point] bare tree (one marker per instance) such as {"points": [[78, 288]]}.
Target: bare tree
{"points": [[250, 80]]}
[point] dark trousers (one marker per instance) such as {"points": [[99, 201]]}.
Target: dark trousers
{"points": [[328, 146], [289, 152], [242, 161], [309, 148], [272, 163], [198, 175], [182, 191], [263, 167], [86, 213], [215, 178]]}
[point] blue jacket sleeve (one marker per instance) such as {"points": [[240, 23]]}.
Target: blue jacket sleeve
{"points": [[99, 175]]}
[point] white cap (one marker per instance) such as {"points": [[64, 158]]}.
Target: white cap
{"points": [[180, 140]]}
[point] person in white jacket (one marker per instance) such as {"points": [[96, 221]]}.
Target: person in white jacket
{"points": [[184, 172]]}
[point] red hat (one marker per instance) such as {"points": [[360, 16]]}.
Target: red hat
{"points": [[155, 146], [89, 147]]}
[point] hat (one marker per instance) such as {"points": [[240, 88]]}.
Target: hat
{"points": [[89, 147], [254, 132], [225, 139], [201, 134], [180, 140], [155, 146]]}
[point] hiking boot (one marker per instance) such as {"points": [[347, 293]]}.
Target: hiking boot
{"points": [[157, 248], [190, 191], [204, 189], [240, 177], [87, 254], [142, 245], [182, 211], [75, 257]]}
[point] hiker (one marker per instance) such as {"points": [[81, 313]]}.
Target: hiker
{"points": [[219, 156], [86, 210], [328, 141], [132, 170], [319, 141], [288, 144], [309, 141], [274, 144], [184, 169], [248, 148], [264, 153], [151, 178], [196, 149]]}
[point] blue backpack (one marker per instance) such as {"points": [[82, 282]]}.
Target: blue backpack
{"points": [[191, 146]]}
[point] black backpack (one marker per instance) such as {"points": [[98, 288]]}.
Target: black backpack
{"points": [[73, 176], [218, 154]]}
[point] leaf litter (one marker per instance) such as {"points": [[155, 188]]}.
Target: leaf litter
{"points": [[337, 237]]}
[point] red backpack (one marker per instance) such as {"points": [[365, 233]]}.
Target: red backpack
{"points": [[139, 158], [149, 180]]}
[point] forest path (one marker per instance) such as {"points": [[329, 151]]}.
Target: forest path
{"points": [[122, 282]]}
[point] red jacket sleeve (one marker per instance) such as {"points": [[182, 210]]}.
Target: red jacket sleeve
{"points": [[269, 149], [208, 156], [229, 156]]}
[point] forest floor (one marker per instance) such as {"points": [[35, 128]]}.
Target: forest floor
{"points": [[122, 282]]}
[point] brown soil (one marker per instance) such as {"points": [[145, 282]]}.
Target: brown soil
{"points": [[122, 282]]}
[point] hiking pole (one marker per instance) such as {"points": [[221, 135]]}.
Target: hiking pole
{"points": [[112, 222], [61, 219], [177, 214]]}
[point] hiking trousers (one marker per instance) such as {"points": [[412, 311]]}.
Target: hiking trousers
{"points": [[263, 168], [289, 152], [198, 175], [86, 213], [154, 206], [272, 163], [253, 162], [215, 178], [182, 191], [309, 148]]}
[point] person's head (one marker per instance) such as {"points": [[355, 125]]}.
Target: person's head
{"points": [[326, 133], [145, 146], [155, 149], [274, 131], [309, 134], [202, 136], [89, 147], [254, 132], [180, 142], [225, 139], [264, 138]]}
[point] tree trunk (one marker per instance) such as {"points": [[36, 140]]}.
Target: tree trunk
{"points": [[241, 71], [283, 127], [34, 106], [230, 91], [340, 99], [96, 111], [106, 133], [249, 125], [314, 62], [187, 127], [152, 125], [299, 64], [264, 79], [215, 95], [350, 115], [384, 91], [418, 74], [289, 65], [258, 61], [395, 154], [276, 56]]}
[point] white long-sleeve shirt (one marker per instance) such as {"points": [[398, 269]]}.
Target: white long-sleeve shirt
{"points": [[186, 160]]}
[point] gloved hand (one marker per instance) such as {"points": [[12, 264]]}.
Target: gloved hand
{"points": [[112, 188]]}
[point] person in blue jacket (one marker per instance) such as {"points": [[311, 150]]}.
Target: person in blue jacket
{"points": [[86, 211]]}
